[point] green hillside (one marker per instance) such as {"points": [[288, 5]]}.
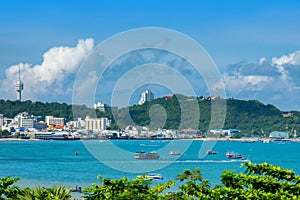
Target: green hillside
{"points": [[251, 117]]}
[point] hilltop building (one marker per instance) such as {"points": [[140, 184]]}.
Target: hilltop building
{"points": [[147, 95], [102, 107]]}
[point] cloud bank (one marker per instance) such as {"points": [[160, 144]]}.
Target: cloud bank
{"points": [[51, 77], [275, 82]]}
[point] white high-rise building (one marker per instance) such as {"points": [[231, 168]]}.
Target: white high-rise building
{"points": [[147, 95], [96, 123], [1, 121]]}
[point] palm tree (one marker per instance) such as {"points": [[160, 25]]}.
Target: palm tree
{"points": [[58, 192]]}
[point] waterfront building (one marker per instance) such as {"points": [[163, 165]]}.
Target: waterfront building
{"points": [[279, 135], [1, 121], [96, 123], [147, 95], [27, 123], [50, 120], [230, 132], [77, 124]]}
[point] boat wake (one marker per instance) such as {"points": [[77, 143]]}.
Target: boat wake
{"points": [[211, 161], [178, 161]]}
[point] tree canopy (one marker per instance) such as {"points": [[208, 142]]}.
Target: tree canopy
{"points": [[259, 181]]}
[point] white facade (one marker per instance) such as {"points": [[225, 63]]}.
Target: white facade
{"points": [[1, 121], [96, 123], [102, 107], [27, 123], [147, 95], [76, 124], [55, 120]]}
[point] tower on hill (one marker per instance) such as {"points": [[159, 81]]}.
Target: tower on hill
{"points": [[19, 86]]}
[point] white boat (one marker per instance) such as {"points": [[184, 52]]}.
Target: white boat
{"points": [[152, 176], [266, 141], [175, 153]]}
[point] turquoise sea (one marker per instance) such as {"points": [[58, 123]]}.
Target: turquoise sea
{"points": [[47, 163]]}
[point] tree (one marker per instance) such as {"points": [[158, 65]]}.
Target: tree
{"points": [[259, 181], [4, 133], [7, 189], [123, 188], [59, 192]]}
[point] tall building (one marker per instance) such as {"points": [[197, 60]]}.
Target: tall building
{"points": [[1, 121], [147, 95], [96, 123], [102, 107], [19, 86]]}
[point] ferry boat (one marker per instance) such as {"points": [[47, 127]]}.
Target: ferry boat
{"points": [[146, 156], [175, 153], [232, 155], [55, 136]]}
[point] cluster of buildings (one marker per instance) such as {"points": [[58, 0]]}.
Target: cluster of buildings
{"points": [[26, 123]]}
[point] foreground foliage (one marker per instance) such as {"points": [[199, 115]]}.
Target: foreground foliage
{"points": [[259, 181]]}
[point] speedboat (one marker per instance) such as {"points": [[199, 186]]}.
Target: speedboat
{"points": [[211, 152], [152, 176], [175, 153]]}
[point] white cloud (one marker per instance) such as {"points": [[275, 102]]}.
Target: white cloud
{"points": [[85, 91], [292, 58], [271, 82], [284, 62], [239, 83], [49, 77]]}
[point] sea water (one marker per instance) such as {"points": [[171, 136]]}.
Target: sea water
{"points": [[48, 163]]}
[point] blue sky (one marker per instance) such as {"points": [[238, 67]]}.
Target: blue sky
{"points": [[236, 34]]}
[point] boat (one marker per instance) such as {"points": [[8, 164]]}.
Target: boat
{"points": [[175, 153], [56, 136], [76, 189], [266, 141], [146, 156], [152, 176], [211, 152], [232, 155], [76, 153]]}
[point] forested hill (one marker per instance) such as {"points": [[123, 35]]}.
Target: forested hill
{"points": [[251, 117]]}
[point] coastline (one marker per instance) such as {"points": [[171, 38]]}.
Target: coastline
{"points": [[201, 139]]}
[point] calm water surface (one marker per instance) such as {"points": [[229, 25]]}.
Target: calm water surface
{"points": [[47, 163]]}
